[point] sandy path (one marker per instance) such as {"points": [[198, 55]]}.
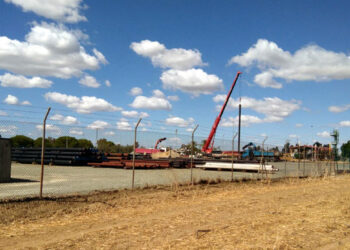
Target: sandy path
{"points": [[293, 214]]}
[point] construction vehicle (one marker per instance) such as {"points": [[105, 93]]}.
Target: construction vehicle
{"points": [[250, 152], [149, 151], [209, 143]]}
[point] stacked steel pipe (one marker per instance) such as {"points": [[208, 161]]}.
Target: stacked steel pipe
{"points": [[57, 156], [118, 160]]}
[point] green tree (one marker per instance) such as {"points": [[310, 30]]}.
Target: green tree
{"points": [[109, 147], [66, 141], [48, 142], [286, 147], [187, 148], [21, 141], [106, 146], [84, 143], [345, 150]]}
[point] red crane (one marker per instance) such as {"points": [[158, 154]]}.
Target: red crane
{"points": [[209, 143]]}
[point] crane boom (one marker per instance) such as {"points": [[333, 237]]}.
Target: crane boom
{"points": [[159, 141], [206, 147]]}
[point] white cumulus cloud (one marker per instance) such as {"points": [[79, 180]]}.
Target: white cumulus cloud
{"points": [[265, 80], [13, 100], [155, 102], [324, 134], [273, 108], [136, 91], [26, 103], [89, 81], [193, 81], [344, 124], [50, 128], [310, 63], [160, 56], [19, 81], [62, 10], [158, 93], [179, 122], [246, 121], [108, 83], [65, 120], [98, 125], [338, 109], [48, 50], [123, 124], [109, 133], [83, 105], [76, 131], [134, 114], [173, 98]]}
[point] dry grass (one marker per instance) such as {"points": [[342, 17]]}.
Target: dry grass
{"points": [[289, 214]]}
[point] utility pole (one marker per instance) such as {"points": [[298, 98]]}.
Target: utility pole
{"points": [[96, 136]]}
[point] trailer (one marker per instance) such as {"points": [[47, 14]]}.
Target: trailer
{"points": [[244, 167]]}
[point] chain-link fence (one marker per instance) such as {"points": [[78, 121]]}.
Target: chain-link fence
{"points": [[66, 169]]}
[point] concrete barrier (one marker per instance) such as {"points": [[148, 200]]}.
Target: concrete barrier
{"points": [[5, 160]]}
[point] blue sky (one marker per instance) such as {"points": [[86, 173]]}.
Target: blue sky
{"points": [[181, 58]]}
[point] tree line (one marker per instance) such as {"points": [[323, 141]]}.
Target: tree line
{"points": [[60, 142], [103, 145]]}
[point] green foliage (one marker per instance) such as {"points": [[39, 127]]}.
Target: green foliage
{"points": [[187, 148], [84, 143], [297, 156], [70, 142], [275, 149], [285, 148], [21, 141], [66, 142], [48, 142], [345, 150], [105, 146], [109, 147]]}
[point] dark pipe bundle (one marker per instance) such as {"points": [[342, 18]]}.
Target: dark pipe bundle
{"points": [[57, 156]]}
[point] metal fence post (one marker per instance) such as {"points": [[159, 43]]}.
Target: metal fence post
{"points": [[42, 154], [285, 160], [192, 153], [233, 147], [298, 158], [133, 156], [262, 161], [304, 156], [285, 167]]}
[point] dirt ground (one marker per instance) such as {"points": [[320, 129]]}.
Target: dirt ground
{"points": [[286, 214]]}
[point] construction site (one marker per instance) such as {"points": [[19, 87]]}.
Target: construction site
{"points": [[174, 124], [246, 160], [63, 193]]}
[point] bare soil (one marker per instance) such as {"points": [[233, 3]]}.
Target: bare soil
{"points": [[287, 214]]}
